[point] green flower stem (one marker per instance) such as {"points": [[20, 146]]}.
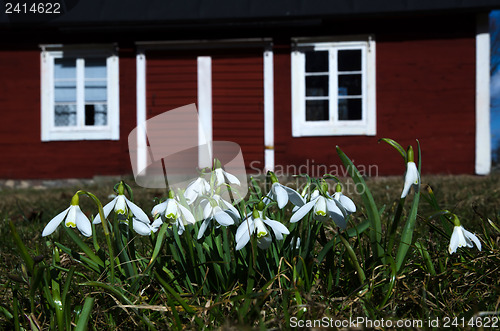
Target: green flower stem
{"points": [[106, 233], [354, 259], [394, 225], [407, 234]]}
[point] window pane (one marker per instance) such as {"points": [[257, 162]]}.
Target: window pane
{"points": [[350, 109], [317, 110], [316, 86], [65, 115], [95, 68], [65, 69], [64, 80], [96, 115], [64, 91], [316, 61], [350, 84], [95, 92], [349, 60], [95, 80]]}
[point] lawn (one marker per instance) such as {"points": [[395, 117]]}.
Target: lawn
{"points": [[334, 277]]}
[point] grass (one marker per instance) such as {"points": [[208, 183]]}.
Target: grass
{"points": [[463, 284]]}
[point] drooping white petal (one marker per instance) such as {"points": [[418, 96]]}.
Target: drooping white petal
{"points": [[192, 190], [472, 237], [280, 194], [333, 207], [315, 194], [82, 222], [159, 208], [462, 238], [337, 212], [294, 196], [203, 227], [243, 240], [229, 207], [278, 228], [106, 209], [222, 218], [195, 189], [156, 224], [232, 178], [339, 220], [456, 240], [138, 212], [243, 233], [264, 242], [140, 227], [219, 177], [246, 226], [190, 194], [412, 178], [345, 201], [299, 214], [188, 217], [54, 223], [208, 211]]}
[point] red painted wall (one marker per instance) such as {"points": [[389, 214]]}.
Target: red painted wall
{"points": [[238, 103], [425, 90], [237, 93], [24, 155]]}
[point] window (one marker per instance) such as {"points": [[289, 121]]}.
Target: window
{"points": [[79, 93], [333, 88]]}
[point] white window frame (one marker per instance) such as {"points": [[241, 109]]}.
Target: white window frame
{"points": [[50, 132], [333, 126]]}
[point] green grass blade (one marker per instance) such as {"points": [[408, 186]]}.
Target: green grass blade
{"points": [[85, 314], [426, 257], [369, 203], [83, 246], [22, 249], [158, 245], [397, 146], [85, 261]]}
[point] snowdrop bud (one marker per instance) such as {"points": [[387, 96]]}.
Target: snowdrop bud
{"points": [[410, 154], [324, 186], [121, 188], [171, 194], [261, 206], [338, 188], [75, 200]]}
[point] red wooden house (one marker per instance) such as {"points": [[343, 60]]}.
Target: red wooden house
{"points": [[287, 80]]}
